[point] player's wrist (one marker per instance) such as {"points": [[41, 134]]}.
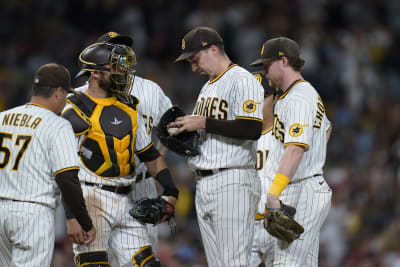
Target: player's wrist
{"points": [[279, 184], [165, 179]]}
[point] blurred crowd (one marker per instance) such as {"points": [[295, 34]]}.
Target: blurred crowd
{"points": [[352, 52]]}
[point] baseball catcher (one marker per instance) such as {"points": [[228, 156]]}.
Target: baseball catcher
{"points": [[185, 143], [280, 223]]}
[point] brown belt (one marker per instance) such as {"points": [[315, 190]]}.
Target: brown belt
{"points": [[203, 173], [123, 190]]}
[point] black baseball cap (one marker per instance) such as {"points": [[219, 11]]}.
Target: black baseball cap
{"points": [[53, 75], [198, 39], [276, 48], [116, 38], [265, 84]]}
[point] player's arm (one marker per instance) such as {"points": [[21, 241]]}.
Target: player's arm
{"points": [[154, 162], [298, 132], [287, 167], [246, 104], [245, 129], [74, 205], [158, 169]]}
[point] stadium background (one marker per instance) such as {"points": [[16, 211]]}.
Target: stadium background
{"points": [[352, 52]]}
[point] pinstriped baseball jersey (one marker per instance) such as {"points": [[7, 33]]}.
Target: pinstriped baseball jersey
{"points": [[142, 142], [35, 145], [300, 118], [234, 94], [152, 105], [265, 151]]}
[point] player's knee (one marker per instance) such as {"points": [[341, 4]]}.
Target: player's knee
{"points": [[93, 259], [145, 257]]}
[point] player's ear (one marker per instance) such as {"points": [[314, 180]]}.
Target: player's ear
{"points": [[58, 92], [285, 61]]}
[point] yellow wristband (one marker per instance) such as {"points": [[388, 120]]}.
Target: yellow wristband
{"points": [[279, 183]]}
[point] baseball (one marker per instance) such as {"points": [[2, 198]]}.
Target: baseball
{"points": [[173, 130]]}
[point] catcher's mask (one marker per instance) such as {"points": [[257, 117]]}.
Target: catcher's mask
{"points": [[121, 61]]}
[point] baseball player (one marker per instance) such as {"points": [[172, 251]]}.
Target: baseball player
{"points": [[262, 250], [301, 131], [38, 159], [228, 117], [153, 103], [109, 130]]}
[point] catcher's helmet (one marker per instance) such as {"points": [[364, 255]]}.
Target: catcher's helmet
{"points": [[119, 60]]}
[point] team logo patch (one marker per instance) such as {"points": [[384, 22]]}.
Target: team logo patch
{"points": [[281, 53], [249, 106], [183, 44], [204, 43], [262, 50], [258, 77], [116, 121], [296, 129]]}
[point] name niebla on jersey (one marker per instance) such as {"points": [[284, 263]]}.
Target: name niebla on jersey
{"points": [[22, 120]]}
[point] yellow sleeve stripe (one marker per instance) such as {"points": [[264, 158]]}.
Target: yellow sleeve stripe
{"points": [[266, 131], [144, 149], [298, 144], [66, 169], [248, 118]]}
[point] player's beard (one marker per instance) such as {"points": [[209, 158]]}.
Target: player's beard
{"points": [[106, 84]]}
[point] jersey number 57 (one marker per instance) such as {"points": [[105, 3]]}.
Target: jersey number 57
{"points": [[22, 141]]}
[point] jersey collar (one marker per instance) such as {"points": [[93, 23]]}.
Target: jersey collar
{"points": [[290, 87], [38, 105], [219, 76]]}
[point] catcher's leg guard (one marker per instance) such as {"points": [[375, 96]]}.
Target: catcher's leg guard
{"points": [[145, 258], [93, 259]]}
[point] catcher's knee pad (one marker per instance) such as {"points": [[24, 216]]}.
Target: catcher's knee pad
{"points": [[93, 259], [145, 258]]}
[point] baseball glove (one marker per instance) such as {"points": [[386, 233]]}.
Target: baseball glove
{"points": [[186, 143], [282, 225], [152, 210]]}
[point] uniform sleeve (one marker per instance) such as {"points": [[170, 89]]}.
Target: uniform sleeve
{"points": [[63, 153], [164, 103], [142, 139], [248, 98], [298, 120], [328, 124]]}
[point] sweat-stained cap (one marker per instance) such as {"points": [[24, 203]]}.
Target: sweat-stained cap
{"points": [[276, 48], [116, 38], [265, 84], [53, 75], [198, 39]]}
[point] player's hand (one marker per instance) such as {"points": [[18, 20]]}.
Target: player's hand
{"points": [[75, 232], [272, 203], [90, 236], [188, 123]]}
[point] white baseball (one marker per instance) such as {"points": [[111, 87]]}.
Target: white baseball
{"points": [[173, 130]]}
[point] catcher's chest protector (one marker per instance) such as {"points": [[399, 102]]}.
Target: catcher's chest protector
{"points": [[110, 127]]}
